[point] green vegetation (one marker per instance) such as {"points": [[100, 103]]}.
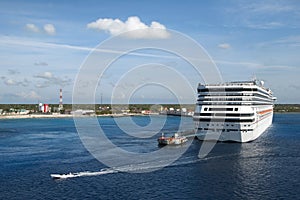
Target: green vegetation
{"points": [[287, 108], [132, 108]]}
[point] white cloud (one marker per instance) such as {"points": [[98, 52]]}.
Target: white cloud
{"points": [[50, 79], [32, 27], [143, 31], [224, 46], [45, 75], [21, 97], [49, 29], [10, 82], [29, 95]]}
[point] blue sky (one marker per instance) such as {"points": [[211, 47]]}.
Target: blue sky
{"points": [[44, 43]]}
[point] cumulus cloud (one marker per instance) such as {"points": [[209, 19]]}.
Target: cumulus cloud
{"points": [[32, 28], [224, 46], [115, 26], [45, 75], [11, 82], [50, 79], [49, 29]]}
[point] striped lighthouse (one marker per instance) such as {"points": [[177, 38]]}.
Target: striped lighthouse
{"points": [[60, 107]]}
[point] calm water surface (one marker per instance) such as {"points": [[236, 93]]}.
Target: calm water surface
{"points": [[32, 149]]}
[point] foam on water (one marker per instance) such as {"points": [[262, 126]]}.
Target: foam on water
{"points": [[133, 168]]}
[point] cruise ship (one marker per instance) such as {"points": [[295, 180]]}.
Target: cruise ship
{"points": [[234, 111]]}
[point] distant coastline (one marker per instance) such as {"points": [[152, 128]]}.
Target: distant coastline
{"points": [[131, 110], [31, 116], [49, 116]]}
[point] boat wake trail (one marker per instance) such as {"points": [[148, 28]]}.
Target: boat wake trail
{"points": [[133, 168], [86, 173]]}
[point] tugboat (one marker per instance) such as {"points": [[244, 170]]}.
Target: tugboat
{"points": [[175, 139]]}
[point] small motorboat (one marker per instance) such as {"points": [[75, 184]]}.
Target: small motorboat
{"points": [[64, 176], [175, 139]]}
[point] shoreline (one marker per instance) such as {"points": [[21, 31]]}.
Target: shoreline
{"points": [[32, 116], [41, 116]]}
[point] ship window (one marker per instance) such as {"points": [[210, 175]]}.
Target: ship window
{"points": [[227, 125], [205, 114], [205, 109], [226, 120], [207, 124], [231, 115], [231, 124], [236, 109], [220, 109]]}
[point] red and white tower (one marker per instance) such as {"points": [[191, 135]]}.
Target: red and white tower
{"points": [[60, 107]]}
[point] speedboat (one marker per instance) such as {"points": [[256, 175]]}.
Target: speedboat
{"points": [[64, 176]]}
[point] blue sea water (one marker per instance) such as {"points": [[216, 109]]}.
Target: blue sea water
{"points": [[32, 149]]}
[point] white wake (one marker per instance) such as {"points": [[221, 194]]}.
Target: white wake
{"points": [[134, 168]]}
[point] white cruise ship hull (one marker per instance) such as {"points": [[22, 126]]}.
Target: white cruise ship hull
{"points": [[237, 136], [260, 128], [236, 111], [239, 132]]}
